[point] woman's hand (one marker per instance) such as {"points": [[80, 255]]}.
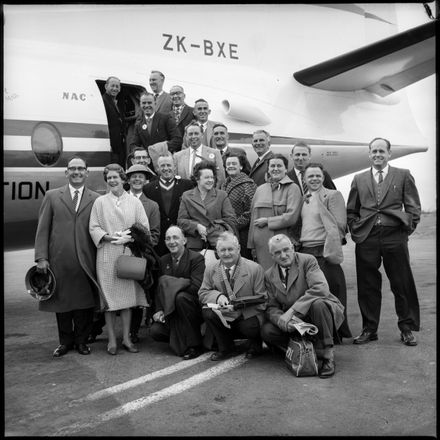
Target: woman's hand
{"points": [[261, 222], [202, 231], [122, 237]]}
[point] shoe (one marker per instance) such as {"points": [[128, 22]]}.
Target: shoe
{"points": [[365, 337], [61, 350], [191, 353], [91, 339], [83, 349], [328, 369], [112, 350], [134, 338], [253, 352], [130, 348], [408, 338], [221, 355]]}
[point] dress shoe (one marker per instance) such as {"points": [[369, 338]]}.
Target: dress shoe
{"points": [[253, 351], [83, 349], [221, 355], [113, 350], [191, 353], [328, 369], [365, 337], [130, 348], [408, 338], [92, 338], [134, 338], [61, 350]]}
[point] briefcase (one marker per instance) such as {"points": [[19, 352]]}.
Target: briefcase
{"points": [[301, 357], [244, 301]]}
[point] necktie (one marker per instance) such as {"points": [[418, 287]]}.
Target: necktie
{"points": [[177, 110], [75, 198], [149, 125], [156, 95], [303, 183], [256, 162], [201, 128], [192, 162], [286, 276], [380, 176], [228, 274]]}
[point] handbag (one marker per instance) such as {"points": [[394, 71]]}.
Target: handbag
{"points": [[301, 357], [129, 267]]}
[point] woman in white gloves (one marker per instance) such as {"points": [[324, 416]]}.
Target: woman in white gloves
{"points": [[111, 217]]}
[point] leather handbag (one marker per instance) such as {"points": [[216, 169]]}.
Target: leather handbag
{"points": [[301, 357], [129, 267]]}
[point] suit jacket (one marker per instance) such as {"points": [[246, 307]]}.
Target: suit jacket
{"points": [[163, 128], [399, 204], [153, 191], [327, 183], [306, 283], [63, 239], [191, 265], [153, 214], [207, 133], [193, 210], [259, 171], [164, 103], [182, 158], [186, 116], [248, 282], [116, 123]]}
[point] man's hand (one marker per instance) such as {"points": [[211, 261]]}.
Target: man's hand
{"points": [[42, 265], [284, 319], [202, 231], [159, 316], [222, 301]]}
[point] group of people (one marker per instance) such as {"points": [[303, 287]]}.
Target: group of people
{"points": [[277, 235]]}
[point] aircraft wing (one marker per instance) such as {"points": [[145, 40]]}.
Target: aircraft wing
{"points": [[381, 68]]}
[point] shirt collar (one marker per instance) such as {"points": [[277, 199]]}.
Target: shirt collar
{"points": [[72, 190], [150, 117], [136, 195], [384, 171], [198, 150]]}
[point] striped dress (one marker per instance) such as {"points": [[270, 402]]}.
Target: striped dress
{"points": [[107, 218]]}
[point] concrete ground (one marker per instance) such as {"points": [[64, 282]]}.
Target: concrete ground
{"points": [[380, 389]]}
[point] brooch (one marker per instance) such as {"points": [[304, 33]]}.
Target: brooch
{"points": [[211, 155], [144, 127]]}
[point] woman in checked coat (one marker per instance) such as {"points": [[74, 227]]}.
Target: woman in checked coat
{"points": [[112, 215], [240, 189]]}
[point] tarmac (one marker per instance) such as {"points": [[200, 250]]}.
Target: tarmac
{"points": [[383, 388]]}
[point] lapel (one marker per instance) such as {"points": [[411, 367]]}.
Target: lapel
{"points": [[155, 123], [387, 183], [367, 180], [86, 199], [240, 280], [293, 274], [66, 198], [206, 154], [276, 280], [185, 162], [183, 113], [159, 101], [197, 201]]}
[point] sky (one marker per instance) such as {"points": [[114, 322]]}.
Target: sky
{"points": [[422, 97]]}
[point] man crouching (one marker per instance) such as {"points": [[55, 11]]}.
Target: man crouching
{"points": [[296, 286], [229, 279]]}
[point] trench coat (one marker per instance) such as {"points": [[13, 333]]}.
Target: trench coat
{"points": [[282, 207], [63, 239]]}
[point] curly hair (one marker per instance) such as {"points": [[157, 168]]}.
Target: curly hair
{"points": [[115, 167], [203, 165]]}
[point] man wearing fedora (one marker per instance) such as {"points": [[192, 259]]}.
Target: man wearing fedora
{"points": [[63, 243]]}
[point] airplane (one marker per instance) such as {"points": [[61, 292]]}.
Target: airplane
{"points": [[329, 75]]}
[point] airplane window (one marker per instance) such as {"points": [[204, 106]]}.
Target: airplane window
{"points": [[47, 144]]}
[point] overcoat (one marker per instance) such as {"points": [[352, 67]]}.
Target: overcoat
{"points": [[63, 239], [306, 283], [282, 206], [194, 210]]}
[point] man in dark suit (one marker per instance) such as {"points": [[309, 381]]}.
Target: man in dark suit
{"points": [[220, 140], [63, 242], [155, 127], [167, 192], [301, 155], [383, 209], [115, 118], [162, 100], [261, 144], [181, 112], [178, 314]]}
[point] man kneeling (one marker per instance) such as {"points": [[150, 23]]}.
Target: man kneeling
{"points": [[296, 286], [229, 279], [178, 314]]}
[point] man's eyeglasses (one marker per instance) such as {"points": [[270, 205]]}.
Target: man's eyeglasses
{"points": [[80, 169]]}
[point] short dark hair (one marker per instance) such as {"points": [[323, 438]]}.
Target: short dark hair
{"points": [[111, 77], [241, 158], [204, 165], [380, 139], [146, 94], [219, 124], [201, 100], [160, 73], [279, 156], [193, 123], [76, 156], [115, 167], [139, 148], [314, 165], [302, 144]]}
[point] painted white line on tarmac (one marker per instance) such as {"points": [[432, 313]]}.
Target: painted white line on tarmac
{"points": [[172, 390], [144, 379]]}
